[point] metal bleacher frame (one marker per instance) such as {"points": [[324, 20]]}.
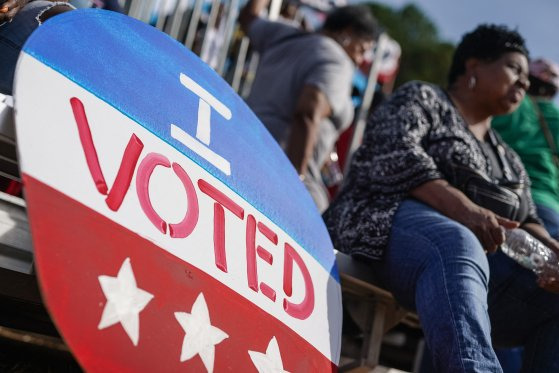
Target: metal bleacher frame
{"points": [[18, 284], [356, 280], [23, 317], [19, 288], [381, 311]]}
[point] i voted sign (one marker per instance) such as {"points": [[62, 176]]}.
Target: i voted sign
{"points": [[170, 231]]}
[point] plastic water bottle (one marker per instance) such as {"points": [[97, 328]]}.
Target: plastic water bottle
{"points": [[531, 253]]}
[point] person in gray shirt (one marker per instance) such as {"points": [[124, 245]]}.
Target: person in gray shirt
{"points": [[302, 88]]}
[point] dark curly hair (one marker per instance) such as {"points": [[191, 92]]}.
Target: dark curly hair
{"points": [[486, 42], [358, 18]]}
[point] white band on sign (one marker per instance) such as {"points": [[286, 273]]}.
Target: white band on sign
{"points": [[206, 96], [203, 129], [190, 142]]}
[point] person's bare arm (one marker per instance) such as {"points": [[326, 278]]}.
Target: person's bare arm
{"points": [[541, 234], [451, 202], [312, 107], [548, 283], [250, 12], [9, 8], [485, 224]]}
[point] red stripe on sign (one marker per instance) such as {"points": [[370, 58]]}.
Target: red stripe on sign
{"points": [[74, 245]]}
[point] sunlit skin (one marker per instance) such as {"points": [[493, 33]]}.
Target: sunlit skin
{"points": [[499, 87], [501, 84], [356, 47], [9, 9]]}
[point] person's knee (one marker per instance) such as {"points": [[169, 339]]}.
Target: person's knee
{"points": [[461, 252], [550, 218]]}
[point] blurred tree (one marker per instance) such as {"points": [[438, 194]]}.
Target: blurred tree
{"points": [[424, 55]]}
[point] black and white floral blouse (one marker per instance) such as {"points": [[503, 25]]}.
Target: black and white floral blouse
{"points": [[416, 136]]}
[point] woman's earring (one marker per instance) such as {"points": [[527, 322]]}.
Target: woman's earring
{"points": [[472, 82]]}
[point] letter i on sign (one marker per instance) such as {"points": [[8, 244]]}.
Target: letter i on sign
{"points": [[200, 144]]}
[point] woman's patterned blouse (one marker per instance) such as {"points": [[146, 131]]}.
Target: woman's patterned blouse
{"points": [[416, 136]]}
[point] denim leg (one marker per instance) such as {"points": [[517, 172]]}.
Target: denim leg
{"points": [[523, 314], [437, 267], [550, 219], [14, 34]]}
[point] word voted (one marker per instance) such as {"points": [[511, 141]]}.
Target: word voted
{"points": [[129, 166]]}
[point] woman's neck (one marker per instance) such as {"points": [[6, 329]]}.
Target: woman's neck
{"points": [[477, 121]]}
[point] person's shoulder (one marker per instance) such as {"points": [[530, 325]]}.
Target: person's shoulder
{"points": [[328, 48], [421, 87], [270, 31], [548, 107], [420, 91], [260, 22]]}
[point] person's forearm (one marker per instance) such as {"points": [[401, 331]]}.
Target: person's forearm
{"points": [[541, 234], [301, 141], [442, 196], [451, 202], [311, 109], [9, 9]]}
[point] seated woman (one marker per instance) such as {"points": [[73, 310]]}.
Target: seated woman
{"points": [[405, 208], [18, 19]]}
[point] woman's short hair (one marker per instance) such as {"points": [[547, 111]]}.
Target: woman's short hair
{"points": [[486, 42], [357, 18]]}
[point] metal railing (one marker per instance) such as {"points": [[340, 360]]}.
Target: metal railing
{"points": [[207, 27]]}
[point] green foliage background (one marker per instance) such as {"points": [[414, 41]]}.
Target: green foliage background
{"points": [[424, 55]]}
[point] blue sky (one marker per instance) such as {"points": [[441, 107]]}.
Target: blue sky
{"points": [[536, 20]]}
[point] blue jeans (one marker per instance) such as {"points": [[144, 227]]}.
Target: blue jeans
{"points": [[550, 219], [14, 34], [467, 301]]}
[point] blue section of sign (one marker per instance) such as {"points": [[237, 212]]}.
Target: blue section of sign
{"points": [[136, 69]]}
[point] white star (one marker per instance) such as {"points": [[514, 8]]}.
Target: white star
{"points": [[201, 336], [270, 362], [124, 301]]}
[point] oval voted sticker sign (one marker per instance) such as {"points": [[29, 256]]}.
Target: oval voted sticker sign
{"points": [[170, 231]]}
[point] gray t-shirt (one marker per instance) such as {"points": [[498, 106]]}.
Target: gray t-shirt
{"points": [[289, 60]]}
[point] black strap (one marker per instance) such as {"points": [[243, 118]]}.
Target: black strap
{"points": [[547, 133], [499, 151]]}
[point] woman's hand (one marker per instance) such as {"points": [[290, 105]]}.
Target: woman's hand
{"points": [[9, 9], [550, 284], [486, 225]]}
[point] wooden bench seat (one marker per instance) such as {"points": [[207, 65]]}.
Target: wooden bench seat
{"points": [[380, 310]]}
